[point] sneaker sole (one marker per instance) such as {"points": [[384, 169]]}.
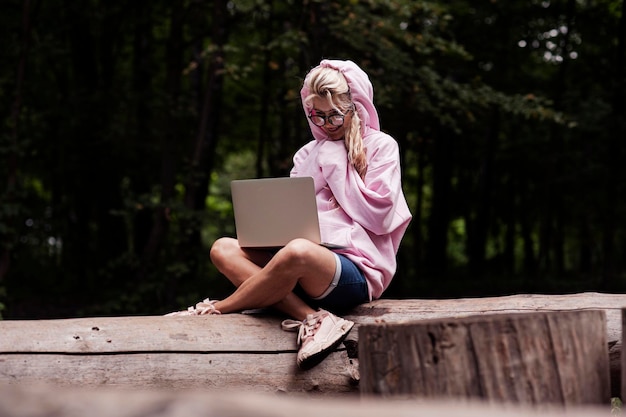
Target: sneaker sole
{"points": [[315, 359]]}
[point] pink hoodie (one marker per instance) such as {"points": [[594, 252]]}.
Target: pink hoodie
{"points": [[369, 217]]}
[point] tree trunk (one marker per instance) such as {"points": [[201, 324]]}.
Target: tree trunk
{"points": [[480, 226], [615, 159], [439, 218], [201, 166], [418, 213], [12, 165], [207, 132], [174, 65]]}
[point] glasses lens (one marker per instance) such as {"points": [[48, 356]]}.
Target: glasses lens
{"points": [[317, 120], [336, 119]]}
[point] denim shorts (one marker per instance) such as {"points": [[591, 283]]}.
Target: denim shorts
{"points": [[348, 290]]}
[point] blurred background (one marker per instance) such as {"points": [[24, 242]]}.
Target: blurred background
{"points": [[124, 122]]}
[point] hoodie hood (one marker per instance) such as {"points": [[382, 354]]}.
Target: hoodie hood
{"points": [[362, 95]]}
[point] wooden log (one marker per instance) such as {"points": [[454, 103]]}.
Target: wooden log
{"points": [[236, 350], [243, 351], [396, 310], [533, 358], [51, 401]]}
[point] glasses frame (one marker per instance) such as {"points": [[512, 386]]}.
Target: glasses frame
{"points": [[327, 118]]}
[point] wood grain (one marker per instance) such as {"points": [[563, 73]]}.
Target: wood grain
{"points": [[51, 401], [531, 358], [171, 352]]}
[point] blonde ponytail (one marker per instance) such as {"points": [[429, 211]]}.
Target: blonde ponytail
{"points": [[354, 145]]}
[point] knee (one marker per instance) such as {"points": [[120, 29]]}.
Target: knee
{"points": [[223, 248], [297, 251]]}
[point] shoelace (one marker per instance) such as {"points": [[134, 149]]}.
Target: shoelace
{"points": [[291, 325], [205, 306], [304, 328]]}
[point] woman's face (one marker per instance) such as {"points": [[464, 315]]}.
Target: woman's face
{"points": [[322, 108]]}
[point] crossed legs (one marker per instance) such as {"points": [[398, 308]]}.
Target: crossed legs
{"points": [[263, 280]]}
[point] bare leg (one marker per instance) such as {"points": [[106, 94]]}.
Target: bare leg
{"points": [[237, 264], [263, 280]]}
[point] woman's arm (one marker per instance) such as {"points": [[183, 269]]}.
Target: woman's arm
{"points": [[373, 203]]}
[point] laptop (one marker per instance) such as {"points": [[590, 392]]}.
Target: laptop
{"points": [[269, 212]]}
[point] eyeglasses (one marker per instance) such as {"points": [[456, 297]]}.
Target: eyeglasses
{"points": [[334, 119]]}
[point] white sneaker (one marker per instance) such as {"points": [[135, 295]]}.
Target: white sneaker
{"points": [[204, 307], [318, 335]]}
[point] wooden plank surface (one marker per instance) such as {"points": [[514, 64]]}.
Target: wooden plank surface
{"points": [[417, 309], [180, 371], [49, 401], [225, 333], [247, 351], [241, 332]]}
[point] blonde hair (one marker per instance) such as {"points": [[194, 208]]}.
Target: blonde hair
{"points": [[329, 84]]}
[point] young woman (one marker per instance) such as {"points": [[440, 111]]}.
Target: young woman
{"points": [[356, 170]]}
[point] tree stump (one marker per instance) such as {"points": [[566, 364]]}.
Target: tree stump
{"points": [[623, 359], [535, 358]]}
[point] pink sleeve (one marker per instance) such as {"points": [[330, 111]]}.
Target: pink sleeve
{"points": [[299, 157], [373, 203]]}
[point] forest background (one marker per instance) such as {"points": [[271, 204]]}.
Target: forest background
{"points": [[124, 122]]}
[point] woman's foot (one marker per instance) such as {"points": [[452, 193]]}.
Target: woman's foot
{"points": [[204, 307], [318, 335]]}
